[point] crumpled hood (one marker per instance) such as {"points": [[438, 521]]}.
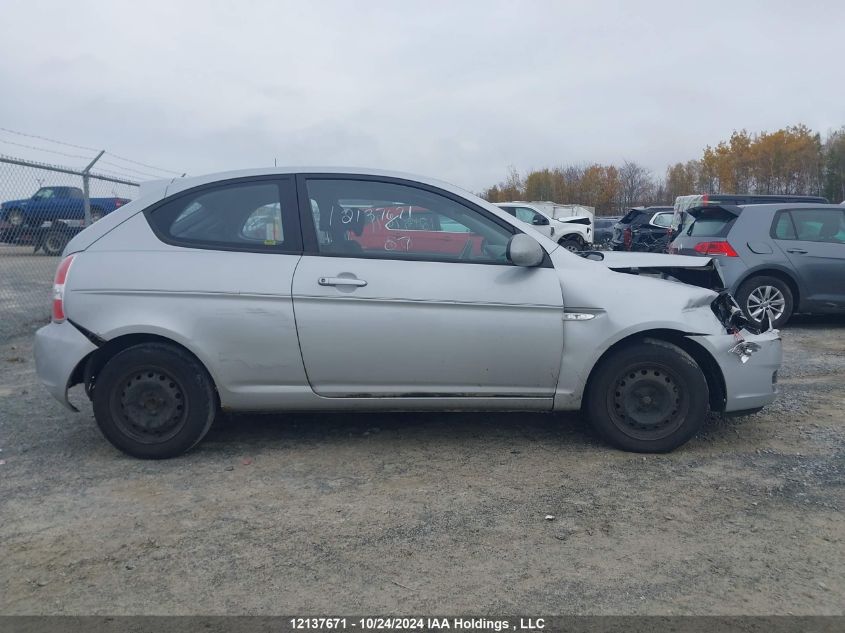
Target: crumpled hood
{"points": [[617, 260], [691, 269]]}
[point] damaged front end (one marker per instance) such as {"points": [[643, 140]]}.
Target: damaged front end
{"points": [[731, 316], [703, 272]]}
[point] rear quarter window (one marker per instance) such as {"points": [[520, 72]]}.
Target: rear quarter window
{"points": [[259, 216]]}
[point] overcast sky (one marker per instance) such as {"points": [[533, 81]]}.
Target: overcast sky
{"points": [[454, 90]]}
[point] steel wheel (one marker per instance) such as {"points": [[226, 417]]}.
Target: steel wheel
{"points": [[766, 301], [150, 407], [648, 401]]}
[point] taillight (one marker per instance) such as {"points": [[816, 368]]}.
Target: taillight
{"points": [[119, 203], [705, 198], [59, 289], [628, 237], [715, 248]]}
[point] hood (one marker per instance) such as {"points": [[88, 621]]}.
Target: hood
{"points": [[15, 203], [697, 271]]}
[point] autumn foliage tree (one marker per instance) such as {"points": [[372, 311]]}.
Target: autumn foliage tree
{"points": [[793, 160]]}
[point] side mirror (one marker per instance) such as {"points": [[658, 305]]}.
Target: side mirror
{"points": [[524, 250], [539, 220]]}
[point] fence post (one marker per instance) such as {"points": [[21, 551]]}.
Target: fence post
{"points": [[85, 188]]}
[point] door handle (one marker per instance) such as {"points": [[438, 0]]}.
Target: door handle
{"points": [[341, 281], [800, 251]]}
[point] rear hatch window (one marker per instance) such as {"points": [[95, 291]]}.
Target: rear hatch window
{"points": [[711, 222], [630, 216]]}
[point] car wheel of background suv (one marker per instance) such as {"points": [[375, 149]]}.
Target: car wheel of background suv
{"points": [[763, 295], [571, 244]]}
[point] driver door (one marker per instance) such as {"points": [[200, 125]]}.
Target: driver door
{"points": [[444, 314]]}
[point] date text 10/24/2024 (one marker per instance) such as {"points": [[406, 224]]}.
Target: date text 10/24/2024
{"points": [[420, 624]]}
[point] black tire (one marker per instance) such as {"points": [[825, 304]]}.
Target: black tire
{"points": [[96, 214], [154, 401], [648, 397], [751, 297], [54, 242], [571, 244], [15, 217]]}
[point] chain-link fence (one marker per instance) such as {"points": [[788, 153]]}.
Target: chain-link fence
{"points": [[41, 208]]}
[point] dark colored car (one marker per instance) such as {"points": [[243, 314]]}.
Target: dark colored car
{"points": [[776, 259], [644, 229], [603, 229]]}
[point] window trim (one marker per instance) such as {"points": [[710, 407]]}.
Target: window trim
{"points": [[310, 240], [286, 186]]}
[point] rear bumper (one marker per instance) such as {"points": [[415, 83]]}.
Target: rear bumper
{"points": [[59, 348], [752, 384]]}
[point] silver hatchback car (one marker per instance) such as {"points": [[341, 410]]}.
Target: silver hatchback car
{"points": [[319, 289]]}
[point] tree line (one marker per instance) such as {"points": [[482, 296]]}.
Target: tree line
{"points": [[792, 160]]}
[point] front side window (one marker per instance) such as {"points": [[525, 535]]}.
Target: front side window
{"points": [[43, 194], [245, 216], [366, 218], [526, 215]]}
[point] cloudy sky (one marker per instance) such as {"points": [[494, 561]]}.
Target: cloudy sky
{"points": [[455, 90]]}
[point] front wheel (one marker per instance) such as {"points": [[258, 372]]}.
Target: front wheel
{"points": [[648, 397], [154, 401], [571, 244], [15, 217]]}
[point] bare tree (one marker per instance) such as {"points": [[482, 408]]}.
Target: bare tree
{"points": [[636, 185]]}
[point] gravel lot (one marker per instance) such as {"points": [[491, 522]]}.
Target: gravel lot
{"points": [[26, 284], [430, 513]]}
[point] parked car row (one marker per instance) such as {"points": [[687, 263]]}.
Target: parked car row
{"points": [[777, 254]]}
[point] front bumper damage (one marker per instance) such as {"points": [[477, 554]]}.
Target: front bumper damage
{"points": [[752, 383], [748, 357]]}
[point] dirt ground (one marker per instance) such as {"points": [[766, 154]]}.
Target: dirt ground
{"points": [[430, 513]]}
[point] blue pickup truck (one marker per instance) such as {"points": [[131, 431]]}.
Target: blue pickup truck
{"points": [[52, 213], [55, 203]]}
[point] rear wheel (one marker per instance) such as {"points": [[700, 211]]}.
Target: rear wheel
{"points": [[54, 242], [648, 397], [154, 401], [765, 297]]}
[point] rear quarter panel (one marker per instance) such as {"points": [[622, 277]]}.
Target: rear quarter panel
{"points": [[232, 310]]}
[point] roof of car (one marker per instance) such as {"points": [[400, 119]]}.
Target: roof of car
{"points": [[180, 184]]}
